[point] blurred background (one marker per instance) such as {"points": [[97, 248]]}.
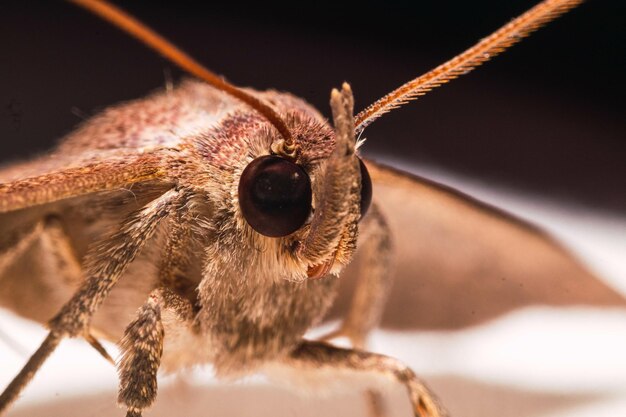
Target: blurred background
{"points": [[547, 116], [543, 125]]}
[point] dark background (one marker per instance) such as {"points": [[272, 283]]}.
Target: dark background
{"points": [[548, 116]]}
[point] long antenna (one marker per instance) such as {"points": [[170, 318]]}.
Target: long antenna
{"points": [[143, 33], [463, 63]]}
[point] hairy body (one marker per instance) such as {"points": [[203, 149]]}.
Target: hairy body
{"points": [[247, 312]]}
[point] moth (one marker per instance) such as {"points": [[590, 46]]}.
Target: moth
{"points": [[211, 224]]}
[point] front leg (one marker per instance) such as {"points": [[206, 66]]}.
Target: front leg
{"points": [[105, 264], [142, 347], [142, 343], [316, 356], [374, 280]]}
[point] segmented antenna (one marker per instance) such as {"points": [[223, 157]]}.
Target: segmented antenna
{"points": [[484, 50], [141, 32]]}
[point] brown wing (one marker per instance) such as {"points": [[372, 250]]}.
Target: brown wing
{"points": [[462, 262], [122, 145], [54, 178]]}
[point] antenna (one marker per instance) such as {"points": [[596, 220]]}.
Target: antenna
{"points": [[153, 40], [463, 63]]}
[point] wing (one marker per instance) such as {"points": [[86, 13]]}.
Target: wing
{"points": [[124, 144], [462, 262], [51, 179]]}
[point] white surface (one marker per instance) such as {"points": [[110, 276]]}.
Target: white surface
{"points": [[545, 350]]}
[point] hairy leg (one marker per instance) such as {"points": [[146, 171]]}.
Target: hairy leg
{"points": [[142, 347], [104, 266], [319, 355], [62, 263], [57, 256], [142, 344], [176, 256]]}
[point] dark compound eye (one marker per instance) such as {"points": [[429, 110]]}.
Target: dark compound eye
{"points": [[366, 189], [274, 196]]}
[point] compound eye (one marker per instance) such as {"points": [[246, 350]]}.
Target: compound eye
{"points": [[274, 196], [366, 189]]}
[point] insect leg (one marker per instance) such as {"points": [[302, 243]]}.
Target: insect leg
{"points": [[142, 344], [142, 347], [56, 255], [64, 264], [177, 250], [104, 266], [319, 355], [375, 279]]}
